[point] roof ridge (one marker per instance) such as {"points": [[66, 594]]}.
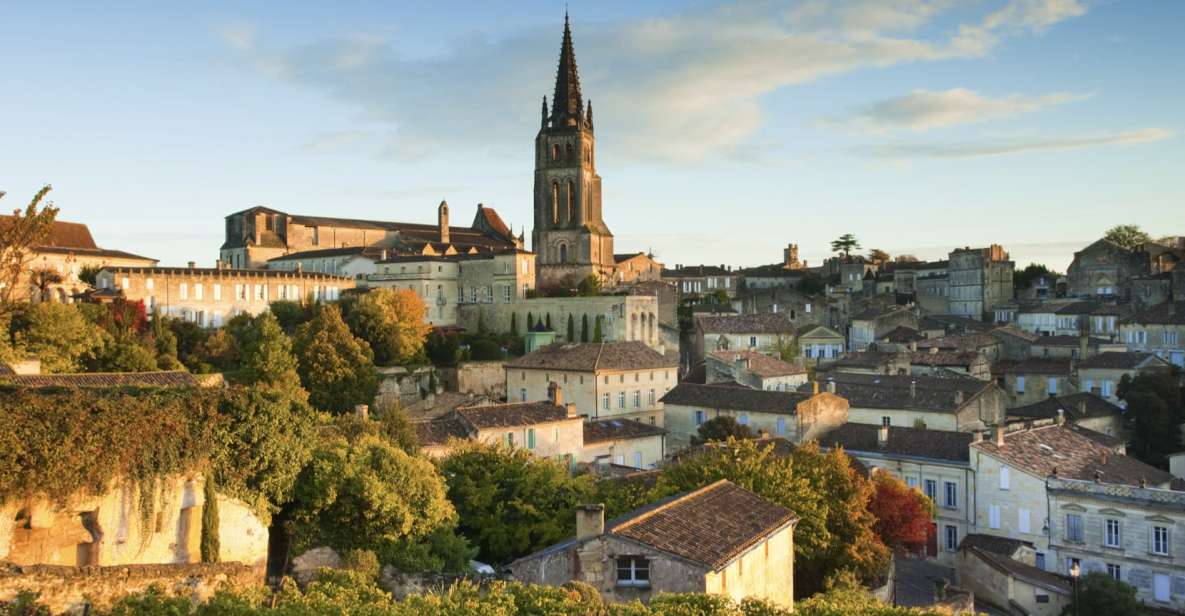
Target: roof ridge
{"points": [[597, 361], [667, 505]]}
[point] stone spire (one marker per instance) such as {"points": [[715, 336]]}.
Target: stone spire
{"points": [[544, 111], [588, 115], [566, 105]]}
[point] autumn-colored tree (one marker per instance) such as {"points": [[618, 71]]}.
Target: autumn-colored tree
{"points": [[878, 256], [42, 278], [906, 258], [393, 322], [902, 514], [19, 234]]}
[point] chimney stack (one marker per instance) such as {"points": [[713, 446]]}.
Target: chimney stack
{"points": [[999, 435], [555, 393], [1081, 408], [590, 521], [1061, 417], [1103, 457], [934, 350], [571, 406], [1083, 345], [977, 436], [882, 436], [815, 388], [192, 264], [913, 346]]}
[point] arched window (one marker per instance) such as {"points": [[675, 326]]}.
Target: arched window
{"points": [[569, 152], [571, 201], [555, 201], [563, 253], [555, 152]]}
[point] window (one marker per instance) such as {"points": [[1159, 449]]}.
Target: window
{"points": [[1022, 521], [637, 398], [1106, 389], [1004, 477], [1070, 562], [752, 341], [637, 459], [994, 516], [951, 494], [1111, 537], [1114, 571], [217, 292], [621, 399], [619, 459], [510, 439], [699, 418], [522, 395], [931, 489], [1160, 588], [1160, 540], [1052, 385], [952, 538], [912, 482], [743, 419], [605, 401], [633, 571], [505, 293], [650, 398], [1020, 384], [183, 290], [886, 421], [780, 430], [1040, 561], [148, 284], [1074, 527], [530, 438]]}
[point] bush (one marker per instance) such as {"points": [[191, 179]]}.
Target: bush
{"points": [[485, 350]]}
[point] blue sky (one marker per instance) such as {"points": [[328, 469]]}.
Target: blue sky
{"points": [[725, 130]]}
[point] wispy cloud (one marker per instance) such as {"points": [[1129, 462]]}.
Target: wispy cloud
{"points": [[239, 35], [925, 109], [975, 149], [679, 88]]}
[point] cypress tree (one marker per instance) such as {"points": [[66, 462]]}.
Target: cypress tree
{"points": [[597, 335], [513, 324], [530, 321], [210, 542], [549, 321], [571, 329], [584, 328]]}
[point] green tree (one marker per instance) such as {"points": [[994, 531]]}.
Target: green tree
{"points": [[1023, 279], [164, 344], [393, 322], [589, 286], [290, 314], [128, 356], [397, 428], [514, 324], [19, 235], [1099, 593], [787, 348], [584, 328], [510, 502], [720, 428], [571, 328], [211, 542], [598, 336], [219, 351], [1153, 415], [189, 337], [812, 284], [58, 335], [530, 321], [266, 359], [336, 368], [1128, 236], [548, 315], [845, 244]]}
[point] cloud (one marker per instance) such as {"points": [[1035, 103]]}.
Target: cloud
{"points": [[680, 88], [1034, 15], [239, 35], [925, 109], [976, 149]]}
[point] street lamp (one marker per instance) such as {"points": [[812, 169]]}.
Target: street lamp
{"points": [[1075, 571]]}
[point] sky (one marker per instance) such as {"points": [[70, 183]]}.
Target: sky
{"points": [[725, 130]]}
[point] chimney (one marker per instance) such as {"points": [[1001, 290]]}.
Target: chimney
{"points": [[192, 264], [1098, 476], [999, 435], [1061, 417], [571, 406], [555, 393], [590, 521], [362, 411], [882, 436], [934, 350], [1083, 345], [913, 346], [1081, 408], [830, 386], [442, 221], [913, 389]]}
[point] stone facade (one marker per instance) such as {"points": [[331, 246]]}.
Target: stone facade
{"points": [[820, 344], [599, 394], [1011, 587], [210, 297], [978, 280], [1105, 269], [795, 417], [642, 452], [1160, 330], [445, 283], [622, 317], [636, 267]]}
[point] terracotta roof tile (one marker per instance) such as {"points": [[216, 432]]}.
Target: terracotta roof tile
{"points": [[602, 430], [760, 363], [991, 543], [174, 378], [590, 357], [733, 396], [438, 431], [1041, 365], [511, 414], [1075, 406], [1022, 571], [1166, 313], [1121, 360], [913, 442], [760, 323], [929, 393], [1060, 450]]}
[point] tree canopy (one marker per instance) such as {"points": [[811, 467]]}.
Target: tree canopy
{"points": [[902, 514], [1128, 236], [845, 244], [1153, 415], [19, 234], [1099, 593], [392, 322], [336, 368], [720, 429], [1024, 278]]}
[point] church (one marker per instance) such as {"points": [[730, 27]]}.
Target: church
{"points": [[570, 237]]}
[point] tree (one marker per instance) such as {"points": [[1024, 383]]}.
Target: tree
{"points": [[1099, 593], [291, 314], [812, 284], [571, 328], [164, 344], [266, 357], [1153, 415], [442, 348], [210, 543], [1023, 279], [19, 235], [584, 328], [902, 514], [128, 356], [514, 324], [393, 322], [42, 278], [878, 256], [845, 244], [368, 494], [597, 335], [58, 335], [336, 368], [1128, 236], [720, 428], [906, 258], [510, 502], [397, 428], [548, 315], [589, 285], [787, 348]]}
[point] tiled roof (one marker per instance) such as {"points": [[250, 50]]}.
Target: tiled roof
{"points": [[438, 431], [1072, 405], [1120, 360], [944, 358], [872, 313], [994, 544], [494, 221], [883, 391], [1065, 340], [94, 252], [695, 271], [511, 414], [865, 359], [1081, 307], [1166, 313], [1026, 573], [589, 357], [619, 257], [5, 370], [954, 323], [1015, 332], [1063, 366], [171, 378], [211, 271], [902, 334], [914, 442], [329, 252], [735, 397], [759, 323], [760, 363], [602, 430], [962, 342], [811, 328], [1057, 449], [64, 234], [711, 526]]}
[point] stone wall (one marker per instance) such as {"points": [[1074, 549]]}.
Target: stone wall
{"points": [[484, 378], [398, 386], [70, 590]]}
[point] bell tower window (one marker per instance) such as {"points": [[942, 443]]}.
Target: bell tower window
{"points": [[555, 152], [555, 202], [563, 253], [571, 201], [569, 151]]}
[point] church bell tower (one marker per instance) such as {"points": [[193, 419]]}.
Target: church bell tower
{"points": [[570, 238]]}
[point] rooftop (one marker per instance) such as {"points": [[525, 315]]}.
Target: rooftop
{"points": [[1075, 406], [591, 357], [1061, 366], [603, 430], [735, 397], [511, 414], [902, 441], [914, 392], [169, 378], [759, 363], [1061, 451], [1122, 360], [1021, 571], [760, 323], [1166, 313]]}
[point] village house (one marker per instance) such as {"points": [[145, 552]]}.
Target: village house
{"points": [[694, 281], [355, 262], [1076, 347], [867, 326], [755, 370], [1001, 573], [982, 343], [797, 416], [1034, 379], [616, 317], [55, 270], [978, 280], [959, 404], [932, 288], [1101, 373], [769, 333], [605, 380], [772, 276], [623, 443], [720, 539], [211, 296], [933, 461], [820, 343], [1159, 329], [1014, 465], [1084, 409], [636, 267], [934, 361], [873, 361], [1105, 269], [1015, 343], [1132, 533]]}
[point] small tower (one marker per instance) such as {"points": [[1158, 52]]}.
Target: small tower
{"points": [[442, 221]]}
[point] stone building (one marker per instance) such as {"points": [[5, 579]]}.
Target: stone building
{"points": [[258, 234], [819, 343], [446, 283], [570, 236], [355, 262], [769, 333], [755, 370], [1159, 329], [615, 380], [720, 539], [1129, 532], [1082, 409], [549, 428], [1105, 269], [1101, 373], [933, 461], [957, 404], [1011, 584], [796, 416], [619, 318], [1035, 379], [636, 267], [210, 296], [623, 443], [870, 324], [54, 270], [695, 281], [979, 279]]}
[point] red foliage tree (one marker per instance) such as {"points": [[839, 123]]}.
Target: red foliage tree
{"points": [[902, 514]]}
